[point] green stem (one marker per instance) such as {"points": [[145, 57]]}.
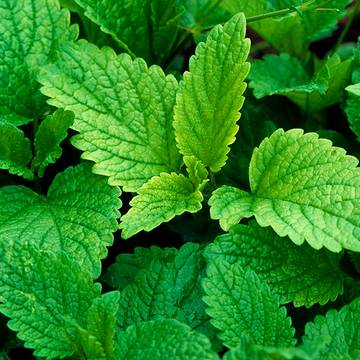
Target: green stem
{"points": [[346, 29]]}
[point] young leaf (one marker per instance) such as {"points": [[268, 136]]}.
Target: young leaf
{"points": [[335, 335], [302, 187], [296, 273], [30, 33], [51, 132], [163, 339], [240, 304], [285, 75], [78, 216], [40, 293], [208, 103], [124, 114], [159, 200], [15, 151]]}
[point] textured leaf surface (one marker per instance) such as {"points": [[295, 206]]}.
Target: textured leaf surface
{"points": [[148, 28], [51, 132], [78, 216], [167, 285], [302, 187], [336, 335], [40, 293], [240, 304], [208, 103], [296, 273], [15, 151], [353, 103], [285, 75], [163, 339], [30, 33], [123, 111], [300, 30], [247, 350], [159, 200]]}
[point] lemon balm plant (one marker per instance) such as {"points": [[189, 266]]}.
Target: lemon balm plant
{"points": [[185, 146]]}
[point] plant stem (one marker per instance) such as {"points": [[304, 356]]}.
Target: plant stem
{"points": [[346, 29]]}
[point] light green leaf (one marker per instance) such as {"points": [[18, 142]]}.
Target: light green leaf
{"points": [[247, 350], [302, 187], [15, 151], [197, 171], [210, 98], [51, 132], [167, 285], [285, 75], [335, 335], [240, 304], [159, 200], [124, 114], [163, 339], [31, 32], [296, 273], [78, 216], [40, 293], [101, 320]]}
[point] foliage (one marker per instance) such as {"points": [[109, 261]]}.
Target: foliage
{"points": [[233, 160]]}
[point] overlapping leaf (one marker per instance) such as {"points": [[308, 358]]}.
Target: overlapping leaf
{"points": [[335, 335], [163, 339], [15, 151], [208, 103], [48, 298], [147, 27], [285, 75], [302, 187], [30, 33], [159, 200], [78, 216], [123, 111], [167, 285], [51, 132], [240, 304], [296, 273]]}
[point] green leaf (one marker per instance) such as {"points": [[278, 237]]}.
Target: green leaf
{"points": [[15, 151], [248, 350], [240, 304], [130, 141], [167, 285], [296, 273], [159, 200], [302, 187], [336, 335], [40, 293], [78, 216], [285, 75], [197, 171], [31, 32], [147, 27], [210, 98], [312, 25], [163, 339], [352, 108], [101, 320], [51, 132], [124, 270]]}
